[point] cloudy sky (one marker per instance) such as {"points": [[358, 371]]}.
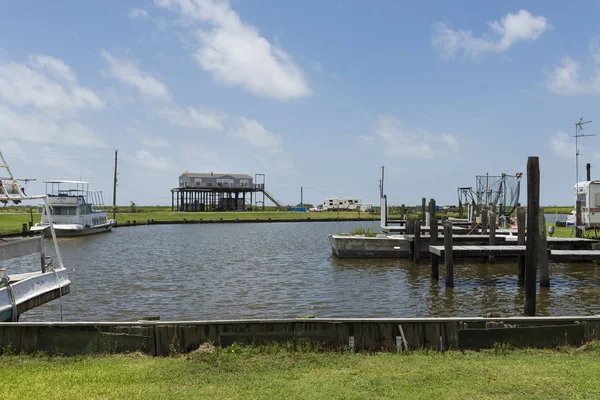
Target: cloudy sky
{"points": [[318, 94]]}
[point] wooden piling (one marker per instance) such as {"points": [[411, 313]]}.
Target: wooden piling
{"points": [[521, 242], [417, 242], [484, 221], [402, 211], [533, 209], [448, 254], [543, 252], [423, 205], [492, 240], [433, 240]]}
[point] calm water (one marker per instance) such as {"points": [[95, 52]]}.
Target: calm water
{"points": [[227, 271]]}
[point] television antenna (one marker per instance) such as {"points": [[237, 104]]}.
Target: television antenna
{"points": [[579, 134]]}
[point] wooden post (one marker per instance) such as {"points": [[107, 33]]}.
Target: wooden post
{"points": [[417, 241], [492, 241], [521, 242], [448, 254], [423, 204], [533, 210], [432, 210], [543, 252], [578, 219], [484, 221], [402, 211], [433, 240]]}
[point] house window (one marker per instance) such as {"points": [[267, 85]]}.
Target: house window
{"points": [[597, 200], [224, 182], [244, 182], [198, 181]]}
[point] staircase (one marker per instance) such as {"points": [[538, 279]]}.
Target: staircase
{"points": [[279, 206]]}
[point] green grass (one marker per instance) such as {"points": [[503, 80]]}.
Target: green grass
{"points": [[251, 373], [232, 216], [11, 222]]}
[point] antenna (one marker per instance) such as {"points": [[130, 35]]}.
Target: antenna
{"points": [[578, 134]]}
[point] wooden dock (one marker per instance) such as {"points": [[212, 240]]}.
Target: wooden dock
{"points": [[515, 251], [479, 251]]}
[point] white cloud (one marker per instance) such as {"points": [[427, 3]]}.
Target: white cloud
{"points": [[256, 134], [511, 29], [399, 141], [146, 159], [567, 80], [195, 118], [46, 84], [126, 71], [237, 55], [153, 141], [562, 145], [40, 128], [138, 13]]}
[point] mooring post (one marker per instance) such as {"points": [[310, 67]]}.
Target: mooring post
{"points": [[492, 259], [403, 212], [521, 242], [578, 219], [533, 211], [484, 221], [448, 254], [423, 204], [543, 252], [417, 242], [433, 240]]}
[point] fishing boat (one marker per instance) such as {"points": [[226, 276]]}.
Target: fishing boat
{"points": [[72, 210], [22, 291]]}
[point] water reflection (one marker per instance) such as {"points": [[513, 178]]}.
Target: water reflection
{"points": [[285, 270]]}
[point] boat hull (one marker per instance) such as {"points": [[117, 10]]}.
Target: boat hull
{"points": [[71, 232]]}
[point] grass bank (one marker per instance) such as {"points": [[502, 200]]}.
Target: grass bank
{"points": [[274, 372]]}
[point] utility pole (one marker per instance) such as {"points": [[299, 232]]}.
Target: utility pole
{"points": [[301, 199], [381, 183], [115, 189]]}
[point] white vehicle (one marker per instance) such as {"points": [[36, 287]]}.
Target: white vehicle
{"points": [[589, 194], [72, 210], [366, 207], [342, 203]]}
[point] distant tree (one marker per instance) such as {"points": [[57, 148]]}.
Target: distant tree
{"points": [[132, 206]]}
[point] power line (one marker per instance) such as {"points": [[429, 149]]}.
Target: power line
{"points": [[55, 145]]}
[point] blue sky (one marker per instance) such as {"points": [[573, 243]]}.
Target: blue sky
{"points": [[313, 94]]}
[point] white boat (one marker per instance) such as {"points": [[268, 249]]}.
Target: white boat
{"points": [[23, 291], [72, 210]]}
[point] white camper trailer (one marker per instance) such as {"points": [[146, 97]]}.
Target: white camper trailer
{"points": [[589, 195], [342, 203]]}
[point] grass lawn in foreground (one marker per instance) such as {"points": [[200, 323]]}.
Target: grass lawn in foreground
{"points": [[247, 373]]}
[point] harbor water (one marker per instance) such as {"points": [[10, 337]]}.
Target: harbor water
{"points": [[281, 270]]}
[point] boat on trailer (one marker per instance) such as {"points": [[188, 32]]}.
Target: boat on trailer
{"points": [[23, 291], [73, 212]]}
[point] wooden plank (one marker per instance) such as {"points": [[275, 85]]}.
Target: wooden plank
{"points": [[574, 255], [21, 247]]}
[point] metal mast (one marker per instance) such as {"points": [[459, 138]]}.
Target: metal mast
{"points": [[578, 134]]}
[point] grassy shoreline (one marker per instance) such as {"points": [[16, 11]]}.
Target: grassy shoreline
{"points": [[277, 372]]}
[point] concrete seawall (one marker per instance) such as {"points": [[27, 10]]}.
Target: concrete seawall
{"points": [[371, 334]]}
